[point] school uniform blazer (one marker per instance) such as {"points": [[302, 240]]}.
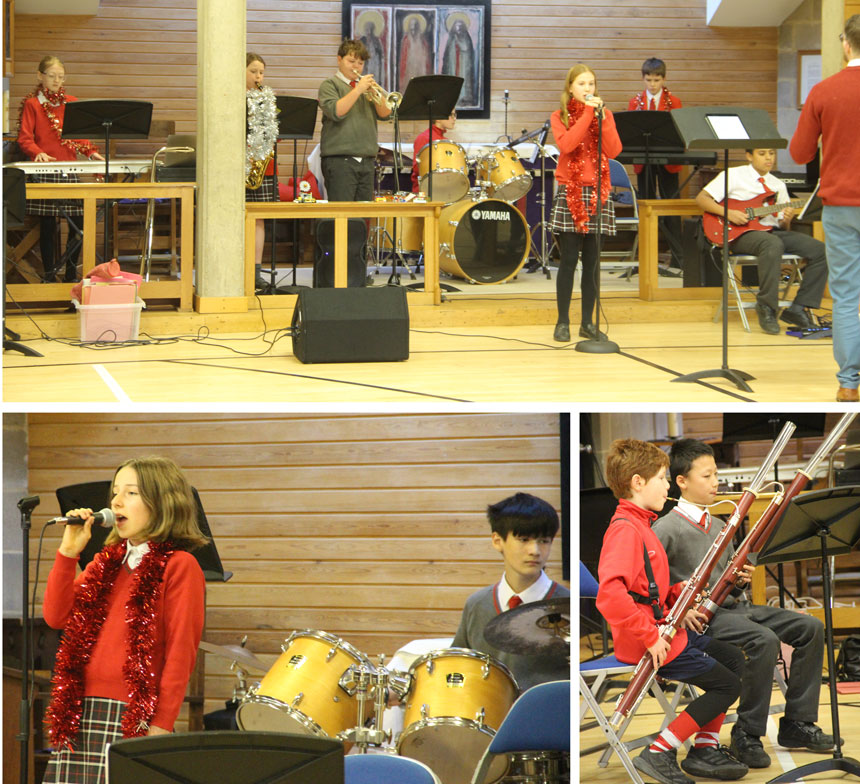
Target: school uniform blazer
{"points": [[640, 102]]}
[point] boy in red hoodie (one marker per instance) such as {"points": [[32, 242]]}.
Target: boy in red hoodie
{"points": [[634, 597]]}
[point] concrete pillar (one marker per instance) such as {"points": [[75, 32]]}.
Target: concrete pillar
{"points": [[220, 148], [832, 23]]}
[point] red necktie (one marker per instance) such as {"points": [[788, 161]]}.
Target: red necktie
{"points": [[653, 105], [514, 602], [352, 83], [705, 519]]}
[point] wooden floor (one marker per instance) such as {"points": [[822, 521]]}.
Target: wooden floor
{"points": [[649, 716], [503, 354]]}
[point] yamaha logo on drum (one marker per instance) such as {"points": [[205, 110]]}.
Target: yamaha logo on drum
{"points": [[495, 215]]}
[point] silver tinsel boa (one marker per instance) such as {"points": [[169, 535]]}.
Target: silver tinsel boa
{"points": [[262, 125]]}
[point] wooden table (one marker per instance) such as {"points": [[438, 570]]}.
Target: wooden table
{"points": [[342, 211], [180, 290], [649, 212]]}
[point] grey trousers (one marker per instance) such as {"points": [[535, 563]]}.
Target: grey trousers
{"points": [[769, 247], [758, 631]]}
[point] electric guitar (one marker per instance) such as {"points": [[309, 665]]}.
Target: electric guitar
{"points": [[753, 208]]}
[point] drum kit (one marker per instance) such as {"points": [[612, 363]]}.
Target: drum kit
{"points": [[453, 699], [483, 237]]}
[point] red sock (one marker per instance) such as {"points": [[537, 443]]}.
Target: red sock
{"points": [[709, 734], [675, 734]]}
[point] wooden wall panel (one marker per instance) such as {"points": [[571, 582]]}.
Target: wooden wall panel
{"points": [[371, 527], [145, 49]]}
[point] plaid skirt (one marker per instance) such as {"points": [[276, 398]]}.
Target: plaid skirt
{"points": [[561, 220], [54, 206], [100, 725], [266, 191]]}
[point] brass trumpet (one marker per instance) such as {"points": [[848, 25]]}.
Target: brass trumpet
{"points": [[378, 96]]}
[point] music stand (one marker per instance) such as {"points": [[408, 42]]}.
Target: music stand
{"points": [[95, 495], [225, 756], [832, 517], [113, 118], [434, 97], [297, 118], [725, 128], [14, 214]]}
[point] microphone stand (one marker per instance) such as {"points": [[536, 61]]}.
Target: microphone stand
{"points": [[26, 505], [600, 345], [506, 100]]}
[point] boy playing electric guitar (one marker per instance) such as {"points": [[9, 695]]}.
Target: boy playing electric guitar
{"points": [[770, 238]]}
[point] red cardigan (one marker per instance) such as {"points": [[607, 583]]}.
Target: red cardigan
{"points": [[37, 135], [568, 139], [621, 570], [640, 102], [832, 111], [181, 611]]}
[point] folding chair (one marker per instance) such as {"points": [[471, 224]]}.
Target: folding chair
{"points": [[535, 734], [740, 260], [623, 194]]}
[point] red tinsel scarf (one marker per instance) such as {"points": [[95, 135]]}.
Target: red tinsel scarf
{"points": [[52, 100], [587, 150], [665, 104], [89, 611]]}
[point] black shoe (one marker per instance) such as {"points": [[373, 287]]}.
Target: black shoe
{"points": [[803, 735], [767, 319], [662, 766], [710, 762], [748, 749], [590, 331], [799, 318], [562, 333]]}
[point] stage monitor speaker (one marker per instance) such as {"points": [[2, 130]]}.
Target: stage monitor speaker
{"points": [[351, 325]]}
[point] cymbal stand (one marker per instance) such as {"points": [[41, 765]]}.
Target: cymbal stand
{"points": [[542, 253]]}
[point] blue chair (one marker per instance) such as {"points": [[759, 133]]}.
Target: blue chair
{"points": [[624, 195], [539, 721], [386, 769]]}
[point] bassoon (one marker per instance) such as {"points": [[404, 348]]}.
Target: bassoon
{"points": [[691, 593], [767, 523]]}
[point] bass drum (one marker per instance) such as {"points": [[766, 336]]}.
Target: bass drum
{"points": [[482, 241]]}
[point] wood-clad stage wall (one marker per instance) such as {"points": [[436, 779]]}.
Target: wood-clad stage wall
{"points": [[370, 527], [145, 50]]}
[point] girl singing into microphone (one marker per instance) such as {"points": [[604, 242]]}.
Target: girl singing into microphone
{"points": [[40, 125], [131, 621], [574, 212], [262, 135]]}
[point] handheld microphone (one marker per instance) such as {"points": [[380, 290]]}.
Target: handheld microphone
{"points": [[105, 517], [597, 109]]}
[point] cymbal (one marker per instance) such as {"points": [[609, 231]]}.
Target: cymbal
{"points": [[235, 653], [534, 628]]}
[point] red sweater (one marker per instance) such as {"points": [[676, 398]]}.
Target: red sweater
{"points": [[641, 102], [620, 570], [568, 139], [420, 141], [37, 135], [832, 111], [181, 611]]}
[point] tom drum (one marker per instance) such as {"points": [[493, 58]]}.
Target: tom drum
{"points": [[450, 171], [505, 174]]}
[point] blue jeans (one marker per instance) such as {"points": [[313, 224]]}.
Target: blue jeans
{"points": [[842, 230]]}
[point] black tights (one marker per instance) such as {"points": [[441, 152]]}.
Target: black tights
{"points": [[570, 244], [47, 244], [721, 684]]}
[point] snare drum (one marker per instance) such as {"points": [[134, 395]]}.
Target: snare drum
{"points": [[504, 172], [482, 241], [450, 172], [456, 702], [303, 692]]}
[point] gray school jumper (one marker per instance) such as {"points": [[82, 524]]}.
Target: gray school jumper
{"points": [[756, 629], [481, 607]]}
